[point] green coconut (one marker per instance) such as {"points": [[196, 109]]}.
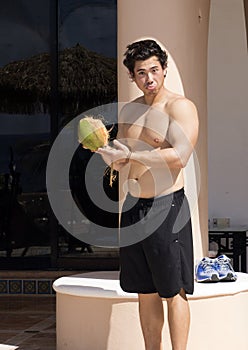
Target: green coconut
{"points": [[92, 134]]}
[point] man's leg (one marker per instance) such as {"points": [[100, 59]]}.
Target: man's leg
{"points": [[179, 320], [152, 319]]}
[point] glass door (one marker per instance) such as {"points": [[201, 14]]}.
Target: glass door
{"points": [[63, 66]]}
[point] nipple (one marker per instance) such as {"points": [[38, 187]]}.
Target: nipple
{"points": [[156, 140]]}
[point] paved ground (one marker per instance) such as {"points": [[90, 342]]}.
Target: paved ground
{"points": [[27, 322]]}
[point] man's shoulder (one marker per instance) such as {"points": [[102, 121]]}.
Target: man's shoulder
{"points": [[175, 99], [139, 99], [178, 104], [132, 110], [133, 103]]}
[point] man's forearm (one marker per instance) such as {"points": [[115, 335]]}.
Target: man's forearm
{"points": [[158, 158]]}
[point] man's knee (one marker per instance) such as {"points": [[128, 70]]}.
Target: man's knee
{"points": [[180, 296]]}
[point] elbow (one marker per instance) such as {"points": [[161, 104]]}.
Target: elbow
{"points": [[180, 164], [182, 161]]}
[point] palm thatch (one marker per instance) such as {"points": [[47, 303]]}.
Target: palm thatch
{"points": [[85, 79]]}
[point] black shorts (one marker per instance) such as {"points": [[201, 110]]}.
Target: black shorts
{"points": [[163, 261]]}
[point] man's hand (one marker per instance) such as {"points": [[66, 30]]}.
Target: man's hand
{"points": [[118, 155]]}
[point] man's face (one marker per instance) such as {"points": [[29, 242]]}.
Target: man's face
{"points": [[149, 75]]}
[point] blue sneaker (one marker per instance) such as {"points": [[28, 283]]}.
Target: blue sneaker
{"points": [[206, 271], [225, 269]]}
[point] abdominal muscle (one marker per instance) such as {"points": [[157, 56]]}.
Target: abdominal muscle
{"points": [[146, 183]]}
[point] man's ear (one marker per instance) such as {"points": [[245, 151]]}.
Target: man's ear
{"points": [[165, 72], [130, 76]]}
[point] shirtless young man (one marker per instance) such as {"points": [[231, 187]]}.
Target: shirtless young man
{"points": [[157, 134]]}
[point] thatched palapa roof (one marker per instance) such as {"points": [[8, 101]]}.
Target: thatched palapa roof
{"points": [[86, 79]]}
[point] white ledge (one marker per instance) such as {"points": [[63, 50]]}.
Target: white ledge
{"points": [[105, 284]]}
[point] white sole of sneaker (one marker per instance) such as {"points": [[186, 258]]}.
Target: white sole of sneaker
{"points": [[214, 278]]}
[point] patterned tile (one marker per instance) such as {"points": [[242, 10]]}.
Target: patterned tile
{"points": [[3, 286], [26, 286], [44, 287], [29, 286], [15, 286]]}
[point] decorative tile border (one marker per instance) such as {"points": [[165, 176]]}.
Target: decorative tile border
{"points": [[4, 289], [29, 287], [15, 286], [44, 287], [26, 286]]}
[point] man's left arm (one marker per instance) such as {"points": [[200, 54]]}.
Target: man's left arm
{"points": [[182, 133]]}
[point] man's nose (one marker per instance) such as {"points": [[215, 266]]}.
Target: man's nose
{"points": [[149, 77]]}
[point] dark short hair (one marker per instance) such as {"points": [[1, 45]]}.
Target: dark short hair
{"points": [[142, 50]]}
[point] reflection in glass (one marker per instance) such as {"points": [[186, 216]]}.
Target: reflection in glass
{"points": [[24, 131], [87, 77]]}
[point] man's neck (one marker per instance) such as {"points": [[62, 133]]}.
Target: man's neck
{"points": [[150, 99]]}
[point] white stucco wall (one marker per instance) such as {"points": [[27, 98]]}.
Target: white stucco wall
{"points": [[182, 28], [228, 112]]}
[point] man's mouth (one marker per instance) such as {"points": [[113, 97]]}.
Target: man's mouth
{"points": [[150, 86]]}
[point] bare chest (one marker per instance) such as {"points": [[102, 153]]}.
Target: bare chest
{"points": [[148, 130]]}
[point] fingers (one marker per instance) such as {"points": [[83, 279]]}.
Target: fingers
{"points": [[104, 149], [119, 145], [116, 153]]}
